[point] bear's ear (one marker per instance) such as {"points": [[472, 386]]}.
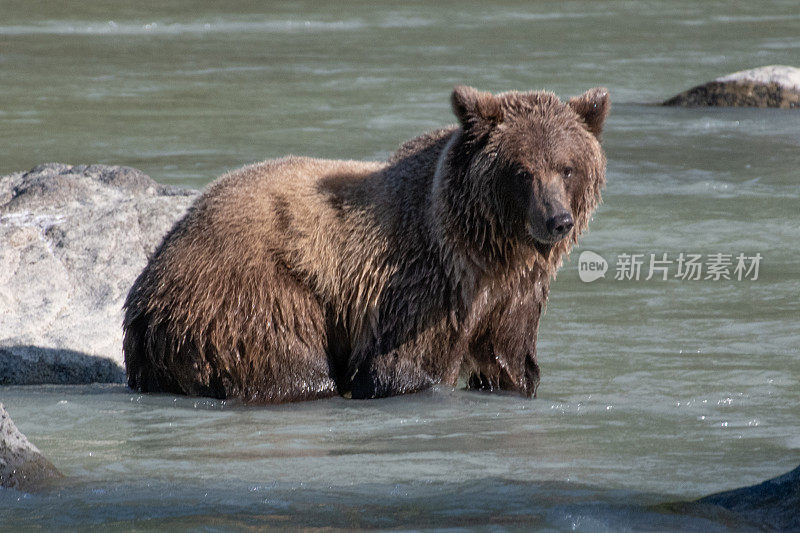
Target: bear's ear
{"points": [[592, 106], [473, 107]]}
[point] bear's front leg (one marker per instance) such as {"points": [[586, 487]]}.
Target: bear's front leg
{"points": [[409, 351], [503, 355], [389, 374], [516, 372]]}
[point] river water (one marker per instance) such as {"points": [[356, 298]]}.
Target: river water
{"points": [[653, 391]]}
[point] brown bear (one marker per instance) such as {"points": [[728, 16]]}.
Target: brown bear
{"points": [[302, 278]]}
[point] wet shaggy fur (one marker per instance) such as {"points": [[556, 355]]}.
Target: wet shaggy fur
{"points": [[301, 278]]}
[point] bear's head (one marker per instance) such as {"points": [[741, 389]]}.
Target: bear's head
{"points": [[526, 168]]}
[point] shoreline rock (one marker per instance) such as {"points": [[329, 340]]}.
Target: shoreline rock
{"points": [[774, 503], [73, 239], [771, 86], [22, 465], [768, 506]]}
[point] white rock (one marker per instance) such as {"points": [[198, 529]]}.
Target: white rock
{"points": [[780, 74], [72, 241], [776, 86]]}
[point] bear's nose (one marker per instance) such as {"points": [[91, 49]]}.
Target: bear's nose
{"points": [[560, 224]]}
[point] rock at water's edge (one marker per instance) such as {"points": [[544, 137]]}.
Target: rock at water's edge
{"points": [[774, 503], [22, 465], [72, 241], [771, 86]]}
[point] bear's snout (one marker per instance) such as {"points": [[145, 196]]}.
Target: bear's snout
{"points": [[560, 224]]}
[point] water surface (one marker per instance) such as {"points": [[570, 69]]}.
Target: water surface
{"points": [[188, 90]]}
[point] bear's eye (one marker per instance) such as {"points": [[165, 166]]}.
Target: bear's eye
{"points": [[567, 172]]}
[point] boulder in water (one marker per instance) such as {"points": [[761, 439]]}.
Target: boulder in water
{"points": [[774, 503], [22, 465], [771, 86], [72, 241]]}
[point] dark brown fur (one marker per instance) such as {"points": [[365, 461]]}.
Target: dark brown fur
{"points": [[300, 278]]}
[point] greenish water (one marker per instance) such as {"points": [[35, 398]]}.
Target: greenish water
{"points": [[187, 90], [653, 391]]}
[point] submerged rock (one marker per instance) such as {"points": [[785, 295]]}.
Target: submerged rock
{"points": [[22, 465], [72, 241], [772, 86]]}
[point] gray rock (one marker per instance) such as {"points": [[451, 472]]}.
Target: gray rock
{"points": [[72, 241], [22, 465], [774, 503], [770, 86]]}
